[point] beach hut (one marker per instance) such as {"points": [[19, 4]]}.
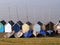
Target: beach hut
{"points": [[50, 29], [36, 29]]}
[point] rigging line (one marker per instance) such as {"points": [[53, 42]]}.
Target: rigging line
{"points": [[49, 13], [17, 13], [49, 16], [9, 13], [27, 13]]}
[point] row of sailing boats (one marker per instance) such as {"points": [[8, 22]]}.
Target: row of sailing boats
{"points": [[28, 29]]}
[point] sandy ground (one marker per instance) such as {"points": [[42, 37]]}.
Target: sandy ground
{"points": [[30, 41]]}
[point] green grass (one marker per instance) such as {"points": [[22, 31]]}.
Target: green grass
{"points": [[30, 41]]}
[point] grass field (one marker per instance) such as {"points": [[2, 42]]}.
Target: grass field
{"points": [[30, 41]]}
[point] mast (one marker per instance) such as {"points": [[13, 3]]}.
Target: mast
{"points": [[49, 17], [27, 13], [17, 14], [9, 13]]}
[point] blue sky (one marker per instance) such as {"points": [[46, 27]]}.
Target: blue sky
{"points": [[36, 10]]}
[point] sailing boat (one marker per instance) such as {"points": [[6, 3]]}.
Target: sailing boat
{"points": [[50, 29], [8, 27], [26, 27], [57, 28], [18, 27]]}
